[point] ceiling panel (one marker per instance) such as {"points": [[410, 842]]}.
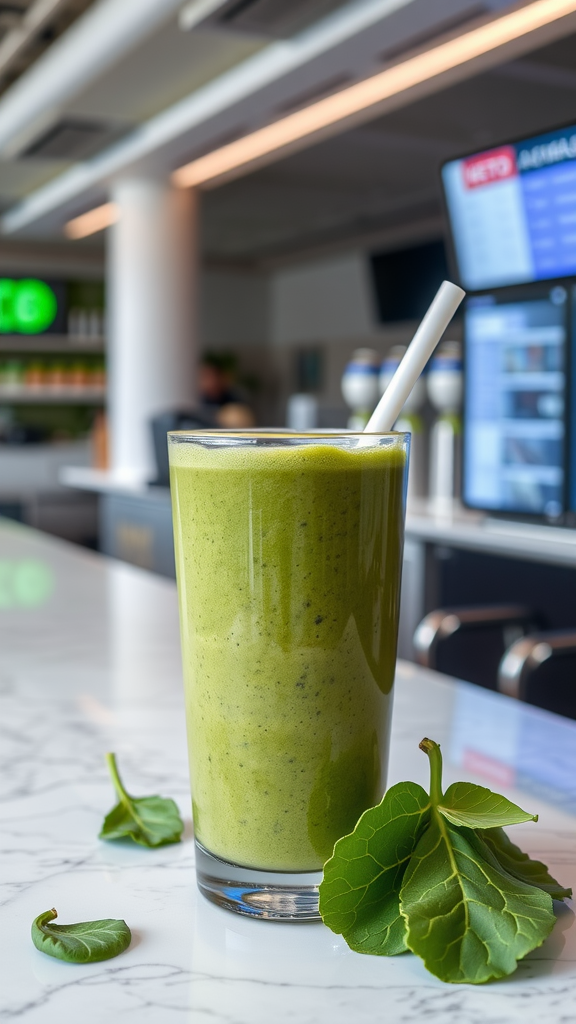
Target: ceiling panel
{"points": [[165, 68], [19, 177], [387, 171]]}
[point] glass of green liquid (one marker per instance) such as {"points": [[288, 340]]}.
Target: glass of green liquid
{"points": [[288, 559]]}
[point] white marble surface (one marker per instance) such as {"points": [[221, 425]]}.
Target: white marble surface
{"points": [[89, 661]]}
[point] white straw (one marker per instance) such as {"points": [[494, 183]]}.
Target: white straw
{"points": [[445, 303]]}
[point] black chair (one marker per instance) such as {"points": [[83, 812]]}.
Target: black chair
{"points": [[469, 643], [541, 670]]}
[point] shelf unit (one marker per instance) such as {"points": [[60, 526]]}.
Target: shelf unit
{"points": [[48, 344], [26, 345], [52, 395]]}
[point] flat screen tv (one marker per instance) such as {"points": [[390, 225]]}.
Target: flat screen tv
{"points": [[516, 385], [406, 280], [512, 211]]}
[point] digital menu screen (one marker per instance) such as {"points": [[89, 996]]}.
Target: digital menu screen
{"points": [[572, 416], [515, 395], [513, 211]]}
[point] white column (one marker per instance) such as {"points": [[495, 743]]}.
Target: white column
{"points": [[152, 276]]}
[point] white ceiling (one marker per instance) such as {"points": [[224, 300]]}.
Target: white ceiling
{"points": [[124, 78], [374, 185], [161, 70], [363, 185]]}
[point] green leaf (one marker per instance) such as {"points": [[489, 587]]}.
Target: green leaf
{"points": [[359, 895], [83, 943], [468, 920], [438, 875], [476, 807], [518, 864], [149, 820]]}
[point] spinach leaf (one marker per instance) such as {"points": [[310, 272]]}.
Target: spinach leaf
{"points": [[359, 895], [149, 820], [83, 943], [518, 864], [438, 875], [477, 807], [468, 921]]}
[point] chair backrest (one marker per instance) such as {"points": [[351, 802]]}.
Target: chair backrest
{"points": [[468, 642], [541, 670]]}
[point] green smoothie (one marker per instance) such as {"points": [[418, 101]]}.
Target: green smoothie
{"points": [[288, 562]]}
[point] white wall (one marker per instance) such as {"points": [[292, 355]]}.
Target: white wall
{"points": [[234, 309], [235, 317], [325, 300], [266, 318], [328, 304]]}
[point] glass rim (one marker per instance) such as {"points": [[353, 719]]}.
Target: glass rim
{"points": [[280, 433]]}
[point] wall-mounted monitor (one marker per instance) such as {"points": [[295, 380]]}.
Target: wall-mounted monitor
{"points": [[406, 280], [512, 211], [572, 418], [516, 356]]}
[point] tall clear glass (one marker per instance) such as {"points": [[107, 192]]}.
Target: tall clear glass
{"points": [[288, 558]]}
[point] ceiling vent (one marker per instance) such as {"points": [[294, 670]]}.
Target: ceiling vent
{"points": [[72, 140], [271, 19]]}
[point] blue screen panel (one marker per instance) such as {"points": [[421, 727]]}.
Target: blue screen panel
{"points": [[572, 445], [513, 211], [515, 385]]}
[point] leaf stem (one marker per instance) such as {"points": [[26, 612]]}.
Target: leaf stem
{"points": [[435, 757], [45, 918], [113, 769]]}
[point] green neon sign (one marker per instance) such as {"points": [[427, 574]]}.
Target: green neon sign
{"points": [[26, 307]]}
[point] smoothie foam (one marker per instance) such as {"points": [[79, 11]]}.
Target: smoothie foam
{"points": [[289, 563]]}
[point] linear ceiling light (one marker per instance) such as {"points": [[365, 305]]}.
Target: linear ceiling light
{"points": [[372, 91], [95, 220]]}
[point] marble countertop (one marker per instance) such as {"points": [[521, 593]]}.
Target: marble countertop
{"points": [[455, 526], [89, 662]]}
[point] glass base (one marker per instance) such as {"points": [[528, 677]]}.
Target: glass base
{"points": [[270, 895]]}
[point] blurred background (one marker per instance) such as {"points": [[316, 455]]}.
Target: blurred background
{"points": [[235, 212]]}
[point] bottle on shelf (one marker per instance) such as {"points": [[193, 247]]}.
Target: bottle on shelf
{"points": [[35, 374], [56, 377], [100, 451], [78, 376], [85, 324], [97, 374], [95, 323], [12, 375]]}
